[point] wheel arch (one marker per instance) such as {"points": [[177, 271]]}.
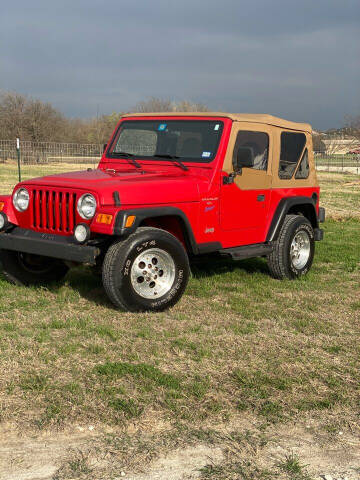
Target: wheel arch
{"points": [[171, 219], [304, 206]]}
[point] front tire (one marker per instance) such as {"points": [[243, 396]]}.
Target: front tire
{"points": [[148, 271], [294, 250], [27, 269]]}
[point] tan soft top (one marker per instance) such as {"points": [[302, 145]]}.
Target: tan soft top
{"points": [[238, 117]]}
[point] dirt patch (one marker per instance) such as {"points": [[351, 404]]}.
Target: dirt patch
{"points": [[41, 459], [181, 464], [87, 456], [337, 455], [35, 458]]}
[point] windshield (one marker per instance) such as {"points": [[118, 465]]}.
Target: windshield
{"points": [[186, 140]]}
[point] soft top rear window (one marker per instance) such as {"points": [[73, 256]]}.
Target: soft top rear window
{"points": [[186, 140], [292, 145]]}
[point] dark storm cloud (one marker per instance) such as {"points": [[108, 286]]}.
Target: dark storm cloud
{"points": [[299, 60]]}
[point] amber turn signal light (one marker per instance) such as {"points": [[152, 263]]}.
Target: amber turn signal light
{"points": [[104, 218], [2, 205], [130, 221]]}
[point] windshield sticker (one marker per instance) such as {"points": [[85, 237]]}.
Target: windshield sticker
{"points": [[217, 126], [206, 154], [162, 127]]}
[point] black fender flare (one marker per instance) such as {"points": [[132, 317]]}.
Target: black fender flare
{"points": [[142, 214], [283, 208]]}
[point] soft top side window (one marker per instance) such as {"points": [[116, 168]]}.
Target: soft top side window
{"points": [[251, 150], [303, 169], [292, 145]]}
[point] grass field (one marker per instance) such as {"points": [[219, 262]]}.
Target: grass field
{"points": [[244, 363], [9, 172]]}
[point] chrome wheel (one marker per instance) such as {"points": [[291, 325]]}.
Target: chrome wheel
{"points": [[153, 273], [300, 250]]}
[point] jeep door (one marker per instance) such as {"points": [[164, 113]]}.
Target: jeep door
{"points": [[244, 202]]}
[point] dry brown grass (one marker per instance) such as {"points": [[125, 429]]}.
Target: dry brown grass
{"points": [[239, 361], [340, 195], [9, 172]]}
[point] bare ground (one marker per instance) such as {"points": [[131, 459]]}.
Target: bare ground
{"points": [[86, 454]]}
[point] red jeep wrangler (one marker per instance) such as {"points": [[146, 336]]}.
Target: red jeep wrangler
{"points": [[170, 187]]}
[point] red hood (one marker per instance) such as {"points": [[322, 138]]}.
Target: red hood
{"points": [[134, 187]]}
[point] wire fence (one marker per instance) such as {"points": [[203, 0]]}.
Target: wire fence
{"points": [[46, 158], [37, 153], [349, 163], [43, 158]]}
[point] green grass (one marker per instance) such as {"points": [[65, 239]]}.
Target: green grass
{"points": [[293, 468], [142, 371], [246, 343]]}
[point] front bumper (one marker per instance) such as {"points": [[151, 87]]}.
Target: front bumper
{"points": [[48, 245]]}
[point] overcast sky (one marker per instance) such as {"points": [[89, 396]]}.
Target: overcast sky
{"points": [[296, 59]]}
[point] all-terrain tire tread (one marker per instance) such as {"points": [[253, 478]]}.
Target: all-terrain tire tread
{"points": [[120, 248], [276, 260], [108, 272]]}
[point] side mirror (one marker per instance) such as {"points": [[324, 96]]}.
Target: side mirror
{"points": [[104, 147], [244, 159]]}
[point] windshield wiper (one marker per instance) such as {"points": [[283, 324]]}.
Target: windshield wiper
{"points": [[176, 160], [129, 157]]}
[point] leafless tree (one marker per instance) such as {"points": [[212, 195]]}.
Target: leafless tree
{"points": [[186, 106], [166, 105], [318, 144], [43, 121], [12, 115], [154, 105], [29, 119], [352, 126]]}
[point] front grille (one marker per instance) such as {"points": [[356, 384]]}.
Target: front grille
{"points": [[53, 211]]}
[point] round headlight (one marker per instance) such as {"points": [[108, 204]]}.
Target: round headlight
{"points": [[21, 199], [86, 206]]}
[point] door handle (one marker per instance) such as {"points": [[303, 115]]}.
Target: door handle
{"points": [[260, 198]]}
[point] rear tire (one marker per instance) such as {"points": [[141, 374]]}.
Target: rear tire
{"points": [[148, 271], [27, 269], [294, 250]]}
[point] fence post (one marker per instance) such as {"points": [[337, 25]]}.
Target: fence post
{"points": [[18, 157]]}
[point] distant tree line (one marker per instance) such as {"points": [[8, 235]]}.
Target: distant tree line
{"points": [[31, 119]]}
